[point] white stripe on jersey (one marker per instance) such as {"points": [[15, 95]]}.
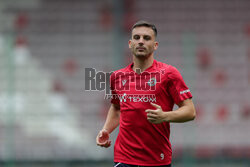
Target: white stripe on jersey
{"points": [[117, 164]]}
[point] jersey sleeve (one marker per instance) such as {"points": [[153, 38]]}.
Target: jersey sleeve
{"points": [[114, 97], [177, 87]]}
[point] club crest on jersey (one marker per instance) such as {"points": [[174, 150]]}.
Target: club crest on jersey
{"points": [[152, 81]]}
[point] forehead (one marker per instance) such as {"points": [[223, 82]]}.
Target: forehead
{"points": [[142, 31]]}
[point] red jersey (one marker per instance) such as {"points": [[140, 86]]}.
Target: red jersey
{"points": [[140, 142]]}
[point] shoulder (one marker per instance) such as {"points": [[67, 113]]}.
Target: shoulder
{"points": [[119, 72], [169, 71], [167, 67]]}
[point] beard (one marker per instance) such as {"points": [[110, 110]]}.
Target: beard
{"points": [[142, 54]]}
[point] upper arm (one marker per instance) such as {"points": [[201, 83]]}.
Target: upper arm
{"points": [[187, 102], [188, 106], [177, 87]]}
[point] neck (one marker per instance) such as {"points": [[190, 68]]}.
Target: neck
{"points": [[142, 63]]}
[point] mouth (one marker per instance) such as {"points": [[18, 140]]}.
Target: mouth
{"points": [[140, 49]]}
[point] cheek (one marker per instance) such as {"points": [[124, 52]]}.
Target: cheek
{"points": [[132, 46], [151, 47]]}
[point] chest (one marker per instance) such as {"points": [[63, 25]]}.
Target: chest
{"points": [[137, 84]]}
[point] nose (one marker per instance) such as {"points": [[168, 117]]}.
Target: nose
{"points": [[141, 41]]}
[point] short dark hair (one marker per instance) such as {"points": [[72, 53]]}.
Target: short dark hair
{"points": [[143, 23]]}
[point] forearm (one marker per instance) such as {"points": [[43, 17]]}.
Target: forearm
{"points": [[113, 118], [183, 114]]}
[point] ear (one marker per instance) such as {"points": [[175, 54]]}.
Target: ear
{"points": [[156, 45], [129, 44]]}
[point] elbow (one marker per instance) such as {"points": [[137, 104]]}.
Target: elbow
{"points": [[193, 115]]}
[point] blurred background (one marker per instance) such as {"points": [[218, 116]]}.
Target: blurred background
{"points": [[47, 119]]}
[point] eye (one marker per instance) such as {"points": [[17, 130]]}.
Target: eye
{"points": [[147, 38], [136, 37]]}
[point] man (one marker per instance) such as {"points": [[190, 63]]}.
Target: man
{"points": [[144, 94]]}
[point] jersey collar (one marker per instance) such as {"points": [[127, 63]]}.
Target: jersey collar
{"points": [[151, 68]]}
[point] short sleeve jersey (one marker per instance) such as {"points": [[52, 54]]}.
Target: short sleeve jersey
{"points": [[140, 142]]}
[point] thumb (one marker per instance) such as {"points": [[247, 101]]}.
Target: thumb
{"points": [[100, 134]]}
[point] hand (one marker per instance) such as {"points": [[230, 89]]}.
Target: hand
{"points": [[102, 139], [155, 116]]}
